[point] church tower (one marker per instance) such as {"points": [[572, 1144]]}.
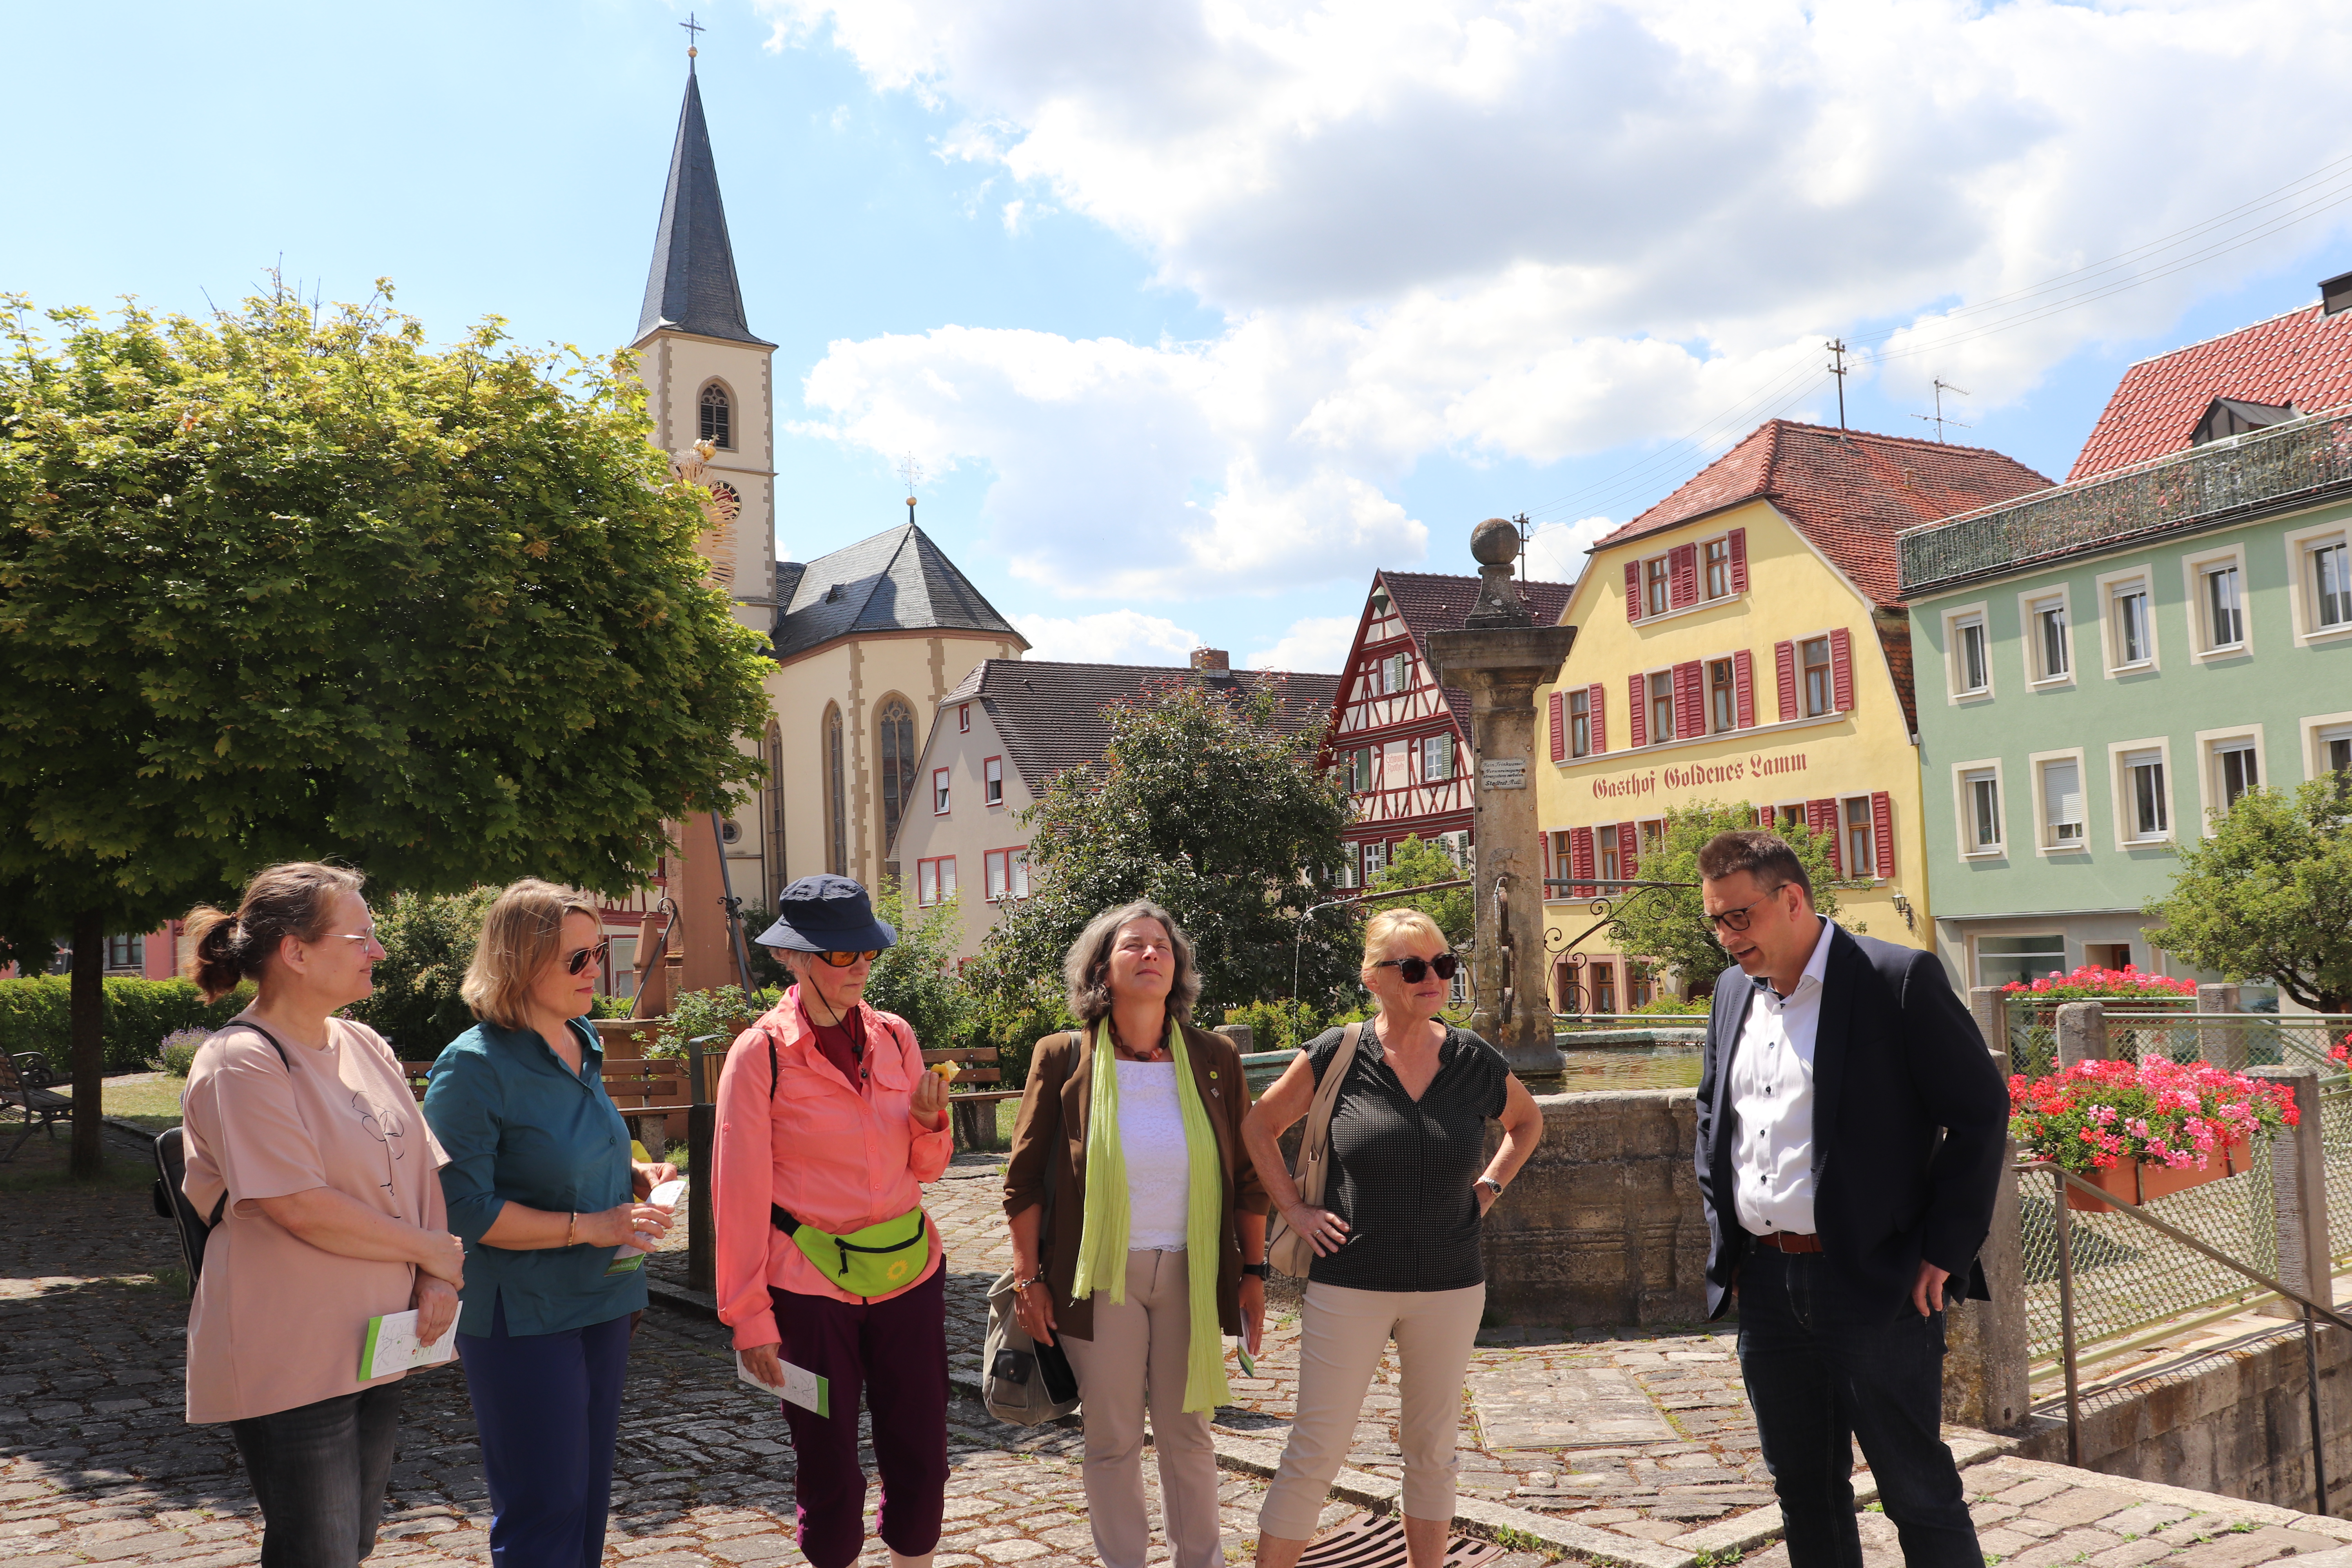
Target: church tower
{"points": [[707, 378]]}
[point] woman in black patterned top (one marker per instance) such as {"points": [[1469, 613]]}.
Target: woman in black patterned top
{"points": [[1397, 1249]]}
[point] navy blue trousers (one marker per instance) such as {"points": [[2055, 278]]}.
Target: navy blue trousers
{"points": [[548, 1407]]}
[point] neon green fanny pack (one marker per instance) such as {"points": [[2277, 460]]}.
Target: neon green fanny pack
{"points": [[876, 1261]]}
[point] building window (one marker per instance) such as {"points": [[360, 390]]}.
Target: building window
{"points": [[2134, 642], [126, 952], [2146, 815], [991, 781], [1356, 770], [1653, 837], [1722, 696], [1973, 671], [1790, 818], [2331, 585], [997, 871], [2061, 803], [1715, 564], [1657, 587], [1604, 987], [1436, 757], [2007, 960], [1661, 707], [1640, 985], [940, 780], [1821, 692], [2225, 611], [1376, 861], [1580, 723], [1860, 839], [1607, 839], [2046, 621], [2235, 771], [935, 881], [836, 794], [1980, 801], [717, 422], [964, 718], [896, 732], [2332, 749]]}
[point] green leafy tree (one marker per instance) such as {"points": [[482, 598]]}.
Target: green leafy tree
{"points": [[917, 978], [1416, 863], [1204, 805], [429, 941], [2269, 895], [287, 584], [1663, 925]]}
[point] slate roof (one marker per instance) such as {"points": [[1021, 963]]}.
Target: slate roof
{"points": [[2303, 357], [1848, 492], [1050, 715], [1439, 601], [692, 285], [897, 581]]}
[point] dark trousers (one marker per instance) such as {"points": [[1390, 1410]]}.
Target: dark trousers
{"points": [[1822, 1368], [318, 1472], [547, 1407], [896, 1352]]}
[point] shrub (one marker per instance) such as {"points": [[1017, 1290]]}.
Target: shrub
{"points": [[2097, 1114], [2089, 984], [1676, 1007], [429, 940], [138, 1015], [178, 1051], [723, 1011]]}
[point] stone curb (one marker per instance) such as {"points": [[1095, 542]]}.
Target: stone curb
{"points": [[2179, 1497], [1762, 1526]]}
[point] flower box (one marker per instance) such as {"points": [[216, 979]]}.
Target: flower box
{"points": [[2140, 1129], [2136, 1181]]}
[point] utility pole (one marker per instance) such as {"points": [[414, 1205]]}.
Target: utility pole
{"points": [[1937, 418], [1837, 368]]}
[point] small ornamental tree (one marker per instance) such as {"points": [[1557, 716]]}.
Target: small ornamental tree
{"points": [[2269, 895], [1664, 924], [1417, 863], [428, 941], [287, 585]]}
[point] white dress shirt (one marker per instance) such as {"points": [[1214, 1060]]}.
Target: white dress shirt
{"points": [[1773, 1102]]}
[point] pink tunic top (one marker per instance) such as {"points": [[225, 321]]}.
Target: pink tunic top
{"points": [[839, 1155], [276, 1322]]}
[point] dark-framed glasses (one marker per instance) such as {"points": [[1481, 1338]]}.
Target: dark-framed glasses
{"points": [[582, 957], [1733, 919], [1413, 971], [849, 960]]}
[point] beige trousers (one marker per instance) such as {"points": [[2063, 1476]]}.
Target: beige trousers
{"points": [[1136, 1361], [1343, 1334]]}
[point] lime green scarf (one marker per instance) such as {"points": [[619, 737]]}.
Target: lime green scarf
{"points": [[1102, 1242]]}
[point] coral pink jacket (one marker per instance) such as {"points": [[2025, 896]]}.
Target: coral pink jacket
{"points": [[840, 1156]]}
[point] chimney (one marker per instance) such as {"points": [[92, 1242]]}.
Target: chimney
{"points": [[2334, 294], [1212, 661]]}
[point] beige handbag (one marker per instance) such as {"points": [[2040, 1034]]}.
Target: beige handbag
{"points": [[1285, 1247]]}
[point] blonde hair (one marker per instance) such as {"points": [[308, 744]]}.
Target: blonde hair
{"points": [[520, 932], [1389, 926], [293, 899]]}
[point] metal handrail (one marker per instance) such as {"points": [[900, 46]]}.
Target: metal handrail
{"points": [[2311, 1312]]}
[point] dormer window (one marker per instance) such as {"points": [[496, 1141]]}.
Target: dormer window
{"points": [[718, 421], [2227, 416]]}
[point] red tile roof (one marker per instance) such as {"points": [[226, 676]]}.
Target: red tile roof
{"points": [[1848, 491], [2303, 357], [1439, 601]]}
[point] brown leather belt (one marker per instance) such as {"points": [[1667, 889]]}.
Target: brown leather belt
{"points": [[1787, 1241]]}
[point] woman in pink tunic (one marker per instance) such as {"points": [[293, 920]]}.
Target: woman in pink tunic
{"points": [[305, 1148]]}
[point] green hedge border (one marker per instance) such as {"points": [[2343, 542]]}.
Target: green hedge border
{"points": [[139, 1014]]}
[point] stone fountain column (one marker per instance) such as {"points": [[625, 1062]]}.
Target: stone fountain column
{"points": [[1499, 657]]}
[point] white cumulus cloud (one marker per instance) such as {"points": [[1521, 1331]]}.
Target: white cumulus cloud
{"points": [[1113, 637], [1316, 642]]}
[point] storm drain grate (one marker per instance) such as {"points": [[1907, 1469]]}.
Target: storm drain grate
{"points": [[1377, 1540]]}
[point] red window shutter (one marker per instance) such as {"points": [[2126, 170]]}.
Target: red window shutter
{"points": [[1549, 891], [1743, 686], [1842, 669], [1820, 816], [1594, 696], [1882, 829], [1763, 817], [1740, 561], [1580, 853], [1785, 653], [1632, 590], [1682, 573], [1628, 856], [1690, 701], [1641, 717], [1558, 709]]}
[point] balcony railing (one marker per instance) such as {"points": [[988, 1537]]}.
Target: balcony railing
{"points": [[2264, 471]]}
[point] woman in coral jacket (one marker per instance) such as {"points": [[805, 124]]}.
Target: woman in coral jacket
{"points": [[828, 1126]]}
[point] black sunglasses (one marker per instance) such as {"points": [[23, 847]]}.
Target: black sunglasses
{"points": [[1415, 970], [845, 960], [582, 957]]}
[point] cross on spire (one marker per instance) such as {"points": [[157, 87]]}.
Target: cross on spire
{"points": [[694, 31]]}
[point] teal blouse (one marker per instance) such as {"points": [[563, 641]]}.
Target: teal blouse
{"points": [[518, 1126]]}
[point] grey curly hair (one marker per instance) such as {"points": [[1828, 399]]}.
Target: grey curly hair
{"points": [[1087, 966]]}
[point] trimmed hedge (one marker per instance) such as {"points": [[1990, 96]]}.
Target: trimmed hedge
{"points": [[139, 1014]]}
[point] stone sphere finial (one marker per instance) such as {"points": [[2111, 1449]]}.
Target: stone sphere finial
{"points": [[1495, 543]]}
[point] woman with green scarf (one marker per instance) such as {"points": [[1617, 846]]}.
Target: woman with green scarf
{"points": [[1130, 1141]]}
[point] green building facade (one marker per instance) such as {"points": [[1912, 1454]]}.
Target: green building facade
{"points": [[2103, 667]]}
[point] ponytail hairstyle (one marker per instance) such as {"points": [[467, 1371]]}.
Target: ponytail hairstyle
{"points": [[295, 899]]}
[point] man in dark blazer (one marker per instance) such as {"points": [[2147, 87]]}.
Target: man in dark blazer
{"points": [[1852, 1128]]}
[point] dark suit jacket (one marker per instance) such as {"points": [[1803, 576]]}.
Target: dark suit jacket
{"points": [[1897, 1058]]}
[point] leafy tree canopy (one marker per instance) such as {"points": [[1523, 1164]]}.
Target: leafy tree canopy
{"points": [[1664, 924], [917, 978], [2269, 895], [1416, 863], [428, 941]]}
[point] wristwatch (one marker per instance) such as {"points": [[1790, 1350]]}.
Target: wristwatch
{"points": [[1256, 1270], [1489, 1182]]}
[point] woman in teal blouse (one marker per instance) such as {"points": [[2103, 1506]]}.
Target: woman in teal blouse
{"points": [[540, 1186]]}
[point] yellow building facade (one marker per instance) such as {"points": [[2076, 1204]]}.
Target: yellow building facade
{"points": [[1740, 642]]}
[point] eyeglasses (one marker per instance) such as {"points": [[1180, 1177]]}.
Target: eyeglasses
{"points": [[362, 937], [1415, 970], [1734, 920], [582, 957], [849, 960]]}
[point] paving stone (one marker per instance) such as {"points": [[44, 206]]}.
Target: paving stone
{"points": [[2080, 1505], [2066, 1548], [2132, 1553], [2239, 1548], [2146, 1518]]}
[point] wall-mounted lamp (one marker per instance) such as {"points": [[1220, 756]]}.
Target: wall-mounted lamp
{"points": [[1903, 908]]}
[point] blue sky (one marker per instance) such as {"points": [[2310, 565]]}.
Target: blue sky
{"points": [[1195, 321]]}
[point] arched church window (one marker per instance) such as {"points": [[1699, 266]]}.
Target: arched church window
{"points": [[897, 749], [836, 794], [717, 416], [775, 793]]}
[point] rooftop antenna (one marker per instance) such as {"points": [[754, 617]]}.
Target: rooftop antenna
{"points": [[1527, 532], [694, 31], [910, 470], [1937, 418], [1837, 368]]}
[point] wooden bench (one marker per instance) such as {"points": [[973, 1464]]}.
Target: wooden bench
{"points": [[646, 1091], [19, 1088], [973, 1112]]}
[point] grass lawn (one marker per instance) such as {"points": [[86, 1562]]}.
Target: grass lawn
{"points": [[148, 1100]]}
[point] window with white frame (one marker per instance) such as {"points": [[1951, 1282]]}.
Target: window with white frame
{"points": [[935, 880], [2331, 751], [2006, 960], [964, 718], [1980, 811], [2131, 630], [2049, 655], [1971, 655], [2330, 574], [2236, 770], [1860, 840], [1376, 861], [939, 777], [995, 875], [2062, 802], [1007, 872], [1579, 723], [991, 781], [2146, 807], [1436, 757], [2221, 605]]}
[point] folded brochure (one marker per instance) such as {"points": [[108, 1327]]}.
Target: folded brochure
{"points": [[392, 1346], [664, 1196], [801, 1386]]}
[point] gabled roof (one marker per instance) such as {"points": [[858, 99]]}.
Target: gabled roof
{"points": [[1439, 601], [1848, 492], [1050, 715], [692, 285], [2303, 357], [897, 580]]}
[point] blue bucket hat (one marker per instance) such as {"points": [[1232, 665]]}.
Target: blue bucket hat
{"points": [[826, 914]]}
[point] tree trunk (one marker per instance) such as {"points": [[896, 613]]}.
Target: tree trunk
{"points": [[87, 1012]]}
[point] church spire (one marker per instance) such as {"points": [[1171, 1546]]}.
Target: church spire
{"points": [[692, 286]]}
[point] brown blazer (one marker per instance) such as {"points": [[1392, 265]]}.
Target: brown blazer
{"points": [[1050, 1144]]}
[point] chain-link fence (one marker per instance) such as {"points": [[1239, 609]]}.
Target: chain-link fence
{"points": [[2136, 1030]]}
